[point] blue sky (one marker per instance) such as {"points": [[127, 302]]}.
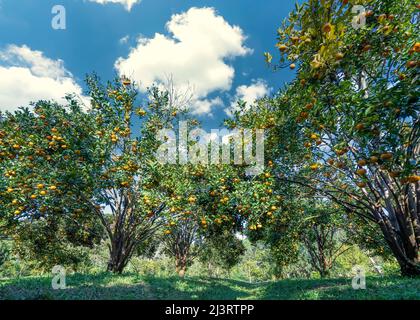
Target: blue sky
{"points": [[213, 46]]}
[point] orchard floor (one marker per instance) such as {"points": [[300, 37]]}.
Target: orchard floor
{"points": [[131, 286]]}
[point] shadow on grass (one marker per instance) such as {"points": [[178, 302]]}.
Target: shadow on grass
{"points": [[377, 288], [105, 286], [199, 288]]}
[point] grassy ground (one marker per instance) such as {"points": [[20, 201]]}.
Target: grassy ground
{"points": [[131, 286]]}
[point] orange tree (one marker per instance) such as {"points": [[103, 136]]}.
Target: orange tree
{"points": [[184, 230], [212, 201], [301, 212], [323, 235], [222, 248], [62, 161], [46, 221], [215, 199], [354, 107]]}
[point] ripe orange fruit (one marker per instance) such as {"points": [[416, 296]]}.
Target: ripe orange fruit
{"points": [[341, 165], [282, 47], [394, 174], [373, 159], [292, 66], [140, 112], [413, 179], [304, 115], [367, 48], [309, 106], [386, 156], [327, 27], [360, 126], [369, 13], [382, 17], [411, 64], [362, 163], [339, 56], [314, 167], [361, 172]]}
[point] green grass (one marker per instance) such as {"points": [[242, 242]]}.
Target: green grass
{"points": [[131, 286]]}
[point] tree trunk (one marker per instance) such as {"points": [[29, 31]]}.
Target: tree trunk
{"points": [[324, 273], [181, 265], [406, 254], [409, 262], [403, 242], [119, 255]]}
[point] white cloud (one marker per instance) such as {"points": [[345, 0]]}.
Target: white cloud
{"points": [[128, 4], [27, 75], [205, 106], [195, 53], [249, 94], [124, 40]]}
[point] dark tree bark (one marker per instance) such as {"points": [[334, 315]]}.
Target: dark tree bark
{"points": [[179, 244], [322, 248], [127, 226]]}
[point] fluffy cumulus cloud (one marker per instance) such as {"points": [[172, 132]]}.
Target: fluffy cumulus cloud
{"points": [[128, 4], [204, 106], [196, 53], [27, 75], [249, 94]]}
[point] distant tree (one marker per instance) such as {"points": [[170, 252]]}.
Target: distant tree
{"points": [[323, 235], [222, 248], [182, 242]]}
